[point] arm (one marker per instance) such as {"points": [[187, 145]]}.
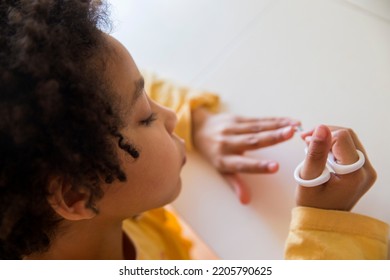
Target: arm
{"points": [[322, 226]]}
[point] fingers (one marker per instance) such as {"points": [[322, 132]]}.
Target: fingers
{"points": [[270, 119], [239, 187], [317, 154], [343, 148], [244, 142], [238, 163], [254, 125], [344, 144], [343, 190]]}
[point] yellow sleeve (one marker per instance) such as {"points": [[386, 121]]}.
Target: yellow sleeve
{"points": [[180, 99], [329, 234]]}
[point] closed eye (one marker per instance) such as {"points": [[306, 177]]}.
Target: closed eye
{"points": [[149, 120]]}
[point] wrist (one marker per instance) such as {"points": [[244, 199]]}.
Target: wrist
{"points": [[199, 116]]}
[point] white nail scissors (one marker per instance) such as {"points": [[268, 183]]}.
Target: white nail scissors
{"points": [[331, 167]]}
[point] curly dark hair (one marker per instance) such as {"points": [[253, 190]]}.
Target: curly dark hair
{"points": [[57, 117]]}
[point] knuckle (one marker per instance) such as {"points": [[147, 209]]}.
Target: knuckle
{"points": [[223, 143], [350, 130], [278, 137], [225, 130], [252, 139], [240, 167], [343, 133], [275, 137], [316, 155], [257, 127], [221, 164], [236, 119], [352, 133], [372, 176], [270, 139]]}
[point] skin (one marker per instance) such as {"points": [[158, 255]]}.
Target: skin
{"points": [[341, 192], [223, 139]]}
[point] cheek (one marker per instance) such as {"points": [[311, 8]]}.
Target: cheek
{"points": [[153, 179], [162, 161], [158, 179]]}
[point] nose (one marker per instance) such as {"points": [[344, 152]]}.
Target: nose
{"points": [[167, 116], [170, 120]]}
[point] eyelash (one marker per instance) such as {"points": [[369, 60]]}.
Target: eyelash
{"points": [[149, 120]]}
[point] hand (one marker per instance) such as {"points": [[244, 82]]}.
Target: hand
{"points": [[341, 192], [223, 139]]}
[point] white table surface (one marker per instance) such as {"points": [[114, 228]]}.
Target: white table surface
{"points": [[320, 61]]}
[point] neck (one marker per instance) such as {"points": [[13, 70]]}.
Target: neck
{"points": [[88, 240]]}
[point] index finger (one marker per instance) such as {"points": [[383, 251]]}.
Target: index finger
{"points": [[286, 120], [360, 147], [343, 147]]}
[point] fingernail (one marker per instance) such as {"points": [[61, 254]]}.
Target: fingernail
{"points": [[252, 140], [308, 139], [286, 132], [295, 123], [272, 166], [321, 133]]}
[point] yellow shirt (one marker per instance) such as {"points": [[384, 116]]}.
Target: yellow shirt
{"points": [[157, 235], [329, 234]]}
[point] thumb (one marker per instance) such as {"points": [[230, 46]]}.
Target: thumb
{"points": [[317, 153]]}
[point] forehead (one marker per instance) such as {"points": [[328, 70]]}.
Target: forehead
{"points": [[120, 64], [122, 74]]}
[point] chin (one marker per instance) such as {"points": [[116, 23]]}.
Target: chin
{"points": [[171, 195], [177, 190], [174, 193]]}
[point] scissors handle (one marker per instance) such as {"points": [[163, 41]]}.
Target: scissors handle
{"points": [[346, 169], [331, 167]]}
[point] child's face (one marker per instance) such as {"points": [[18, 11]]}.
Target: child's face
{"points": [[153, 179]]}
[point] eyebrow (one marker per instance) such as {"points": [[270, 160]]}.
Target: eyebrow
{"points": [[139, 89]]}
